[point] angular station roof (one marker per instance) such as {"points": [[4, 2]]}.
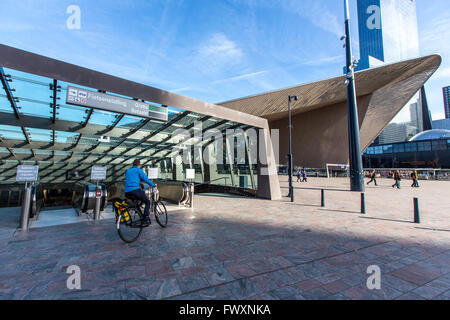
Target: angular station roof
{"points": [[391, 87]]}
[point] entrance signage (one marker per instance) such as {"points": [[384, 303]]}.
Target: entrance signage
{"points": [[98, 173], [98, 100], [190, 173], [27, 173], [152, 173]]}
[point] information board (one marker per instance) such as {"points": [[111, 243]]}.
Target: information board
{"points": [[190, 173], [153, 173], [98, 100], [27, 173], [98, 173]]}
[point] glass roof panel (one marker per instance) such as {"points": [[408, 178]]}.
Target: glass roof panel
{"points": [[40, 134], [22, 151], [129, 122], [103, 118], [66, 137], [71, 113], [11, 132], [5, 105]]}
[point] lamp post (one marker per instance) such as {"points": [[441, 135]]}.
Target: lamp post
{"points": [[290, 170], [356, 169]]}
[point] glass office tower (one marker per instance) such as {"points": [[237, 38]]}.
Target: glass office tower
{"points": [[446, 92], [388, 31]]}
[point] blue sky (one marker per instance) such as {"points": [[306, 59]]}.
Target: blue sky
{"points": [[210, 50]]}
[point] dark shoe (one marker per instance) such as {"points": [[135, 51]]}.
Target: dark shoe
{"points": [[146, 221]]}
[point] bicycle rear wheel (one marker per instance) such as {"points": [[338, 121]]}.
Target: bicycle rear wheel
{"points": [[161, 214], [129, 231]]}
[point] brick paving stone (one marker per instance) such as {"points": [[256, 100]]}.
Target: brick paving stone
{"points": [[214, 293], [397, 283], [432, 289], [247, 248], [415, 274], [315, 294], [336, 286], [444, 296], [168, 288], [217, 275], [287, 293], [241, 271], [244, 288], [337, 296], [266, 282], [410, 296], [308, 284], [361, 292], [183, 263], [387, 292]]}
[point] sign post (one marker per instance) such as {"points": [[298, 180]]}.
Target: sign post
{"points": [[190, 175], [153, 173], [26, 174], [98, 174]]}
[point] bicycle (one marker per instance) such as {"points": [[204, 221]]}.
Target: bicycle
{"points": [[129, 218]]}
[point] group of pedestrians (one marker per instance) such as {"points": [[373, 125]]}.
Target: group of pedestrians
{"points": [[397, 179], [301, 176]]}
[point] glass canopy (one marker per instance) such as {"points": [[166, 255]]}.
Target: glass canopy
{"points": [[64, 138]]}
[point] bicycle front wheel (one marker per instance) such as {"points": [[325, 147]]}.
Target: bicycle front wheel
{"points": [[161, 214], [130, 228]]}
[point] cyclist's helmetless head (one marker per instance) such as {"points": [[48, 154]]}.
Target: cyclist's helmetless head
{"points": [[137, 163]]}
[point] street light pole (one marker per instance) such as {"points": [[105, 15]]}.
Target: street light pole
{"points": [[290, 170], [356, 169]]}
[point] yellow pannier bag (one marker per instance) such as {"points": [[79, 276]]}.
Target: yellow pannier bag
{"points": [[121, 209]]}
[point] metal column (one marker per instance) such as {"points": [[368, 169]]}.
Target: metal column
{"points": [[356, 169], [26, 205], [98, 200]]}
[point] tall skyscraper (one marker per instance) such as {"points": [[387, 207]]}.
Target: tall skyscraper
{"points": [[446, 91], [415, 110], [388, 31]]}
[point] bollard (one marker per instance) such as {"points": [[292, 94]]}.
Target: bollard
{"points": [[26, 203], [192, 191], [323, 198], [98, 200], [416, 211], [363, 203]]}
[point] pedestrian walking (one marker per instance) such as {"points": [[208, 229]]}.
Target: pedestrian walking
{"points": [[373, 177], [397, 179], [299, 176], [304, 176], [415, 179]]}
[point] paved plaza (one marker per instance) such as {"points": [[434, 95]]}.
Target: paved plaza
{"points": [[241, 248]]}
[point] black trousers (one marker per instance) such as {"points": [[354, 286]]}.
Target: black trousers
{"points": [[140, 195]]}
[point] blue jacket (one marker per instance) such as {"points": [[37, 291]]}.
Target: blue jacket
{"points": [[133, 177]]}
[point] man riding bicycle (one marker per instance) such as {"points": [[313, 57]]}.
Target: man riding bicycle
{"points": [[133, 178]]}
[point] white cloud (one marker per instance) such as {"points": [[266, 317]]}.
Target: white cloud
{"points": [[241, 77], [325, 60], [217, 55], [220, 47], [442, 73]]}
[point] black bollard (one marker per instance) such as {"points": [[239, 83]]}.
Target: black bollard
{"points": [[363, 203], [416, 211], [323, 198]]}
